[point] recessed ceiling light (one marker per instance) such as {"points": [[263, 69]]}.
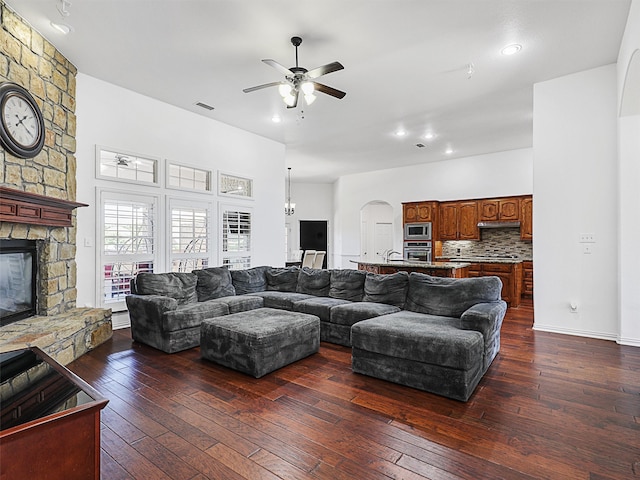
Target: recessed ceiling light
{"points": [[401, 133], [511, 49], [276, 119], [62, 28], [429, 136], [449, 151]]}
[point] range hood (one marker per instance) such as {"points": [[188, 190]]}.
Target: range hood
{"points": [[513, 224]]}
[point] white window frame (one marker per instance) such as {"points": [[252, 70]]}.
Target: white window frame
{"points": [[233, 195], [169, 164], [157, 168], [234, 207], [103, 195], [175, 202]]}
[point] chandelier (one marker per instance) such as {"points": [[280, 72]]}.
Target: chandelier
{"points": [[289, 208]]}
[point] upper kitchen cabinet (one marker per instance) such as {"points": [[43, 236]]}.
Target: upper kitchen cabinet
{"points": [[526, 218], [500, 209], [419, 212], [459, 221]]}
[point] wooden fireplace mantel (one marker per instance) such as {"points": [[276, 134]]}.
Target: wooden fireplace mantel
{"points": [[24, 207]]}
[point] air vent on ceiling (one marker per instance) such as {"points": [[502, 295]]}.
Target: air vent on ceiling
{"points": [[204, 105], [420, 145]]}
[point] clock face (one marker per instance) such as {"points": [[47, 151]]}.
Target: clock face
{"points": [[21, 121]]}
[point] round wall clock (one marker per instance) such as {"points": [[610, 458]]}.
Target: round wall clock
{"points": [[21, 122]]}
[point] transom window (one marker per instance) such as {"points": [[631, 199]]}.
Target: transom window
{"points": [[189, 178], [127, 167], [236, 186]]}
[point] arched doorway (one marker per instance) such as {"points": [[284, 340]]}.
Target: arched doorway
{"points": [[376, 230]]}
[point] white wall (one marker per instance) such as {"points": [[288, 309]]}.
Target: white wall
{"points": [[575, 192], [115, 117], [629, 197], [481, 176], [314, 201]]}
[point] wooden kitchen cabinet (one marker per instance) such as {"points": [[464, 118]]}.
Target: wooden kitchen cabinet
{"points": [[419, 212], [500, 209], [511, 276], [527, 280], [459, 221], [526, 218]]}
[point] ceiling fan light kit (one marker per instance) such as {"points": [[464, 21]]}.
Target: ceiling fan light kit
{"points": [[300, 80]]}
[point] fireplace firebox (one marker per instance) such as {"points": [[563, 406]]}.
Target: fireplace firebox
{"points": [[18, 280]]}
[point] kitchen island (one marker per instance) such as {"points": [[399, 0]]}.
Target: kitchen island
{"points": [[436, 269]]}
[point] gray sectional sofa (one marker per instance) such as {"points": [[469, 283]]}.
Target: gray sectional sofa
{"points": [[436, 334]]}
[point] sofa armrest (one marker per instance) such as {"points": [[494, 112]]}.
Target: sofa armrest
{"points": [[146, 311], [485, 318]]}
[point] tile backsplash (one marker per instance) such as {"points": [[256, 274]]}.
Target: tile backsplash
{"points": [[493, 241]]}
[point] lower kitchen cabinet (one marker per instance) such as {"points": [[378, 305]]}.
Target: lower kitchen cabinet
{"points": [[509, 273], [527, 280]]}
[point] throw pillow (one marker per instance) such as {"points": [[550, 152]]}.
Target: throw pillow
{"points": [[347, 284], [214, 283], [282, 279], [181, 286], [390, 289], [314, 281], [450, 297]]}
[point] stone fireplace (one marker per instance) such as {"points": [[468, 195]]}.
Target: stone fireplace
{"points": [[37, 199]]}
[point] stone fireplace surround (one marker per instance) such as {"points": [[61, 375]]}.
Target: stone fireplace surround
{"points": [[37, 199]]}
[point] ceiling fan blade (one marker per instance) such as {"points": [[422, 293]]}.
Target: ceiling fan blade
{"points": [[260, 87], [323, 70], [281, 68], [295, 101], [319, 87]]}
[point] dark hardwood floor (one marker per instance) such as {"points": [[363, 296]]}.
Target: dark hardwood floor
{"points": [[551, 406]]}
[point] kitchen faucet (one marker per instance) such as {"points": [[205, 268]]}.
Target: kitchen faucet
{"points": [[388, 254]]}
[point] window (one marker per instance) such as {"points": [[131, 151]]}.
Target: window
{"points": [[235, 186], [188, 178], [126, 167], [189, 237], [235, 237], [128, 237]]}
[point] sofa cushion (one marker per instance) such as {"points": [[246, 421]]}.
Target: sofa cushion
{"points": [[250, 280], [281, 300], [189, 316], [431, 339], [390, 289], [177, 285], [240, 303], [319, 306], [313, 281], [450, 297], [354, 312], [347, 284], [282, 279], [213, 283]]}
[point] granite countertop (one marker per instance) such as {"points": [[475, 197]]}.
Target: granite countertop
{"points": [[415, 264], [484, 259]]}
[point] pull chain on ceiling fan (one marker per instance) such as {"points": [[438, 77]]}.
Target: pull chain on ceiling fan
{"points": [[299, 79]]}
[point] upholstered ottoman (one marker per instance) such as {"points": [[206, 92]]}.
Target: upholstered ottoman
{"points": [[259, 341]]}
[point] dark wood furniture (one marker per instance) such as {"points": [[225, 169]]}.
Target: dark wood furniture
{"points": [[509, 273], [526, 218], [418, 212], [459, 221], [50, 420], [24, 207], [527, 280]]}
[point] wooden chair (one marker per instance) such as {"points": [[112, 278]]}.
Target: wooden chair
{"points": [[308, 258], [317, 262]]}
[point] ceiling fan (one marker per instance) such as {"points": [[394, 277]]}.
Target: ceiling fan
{"points": [[299, 79]]}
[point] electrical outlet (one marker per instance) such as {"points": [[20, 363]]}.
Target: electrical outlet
{"points": [[587, 238]]}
